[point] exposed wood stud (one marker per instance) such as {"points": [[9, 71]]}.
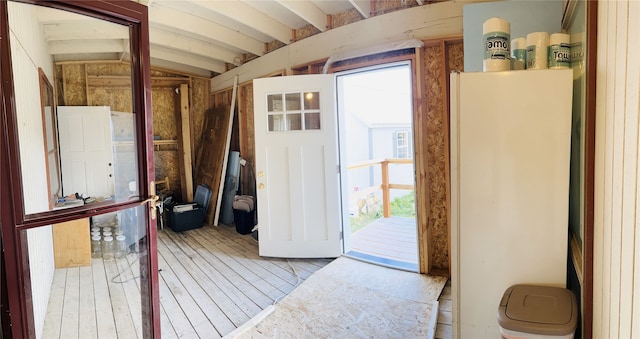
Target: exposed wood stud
{"points": [[445, 142], [423, 205], [185, 149]]}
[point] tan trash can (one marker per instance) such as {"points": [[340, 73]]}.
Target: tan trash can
{"points": [[528, 311]]}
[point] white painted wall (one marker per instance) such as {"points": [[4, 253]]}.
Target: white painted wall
{"points": [[617, 184], [421, 22], [28, 52]]}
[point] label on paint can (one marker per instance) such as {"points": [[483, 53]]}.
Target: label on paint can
{"points": [[560, 56], [520, 54], [496, 46], [531, 56]]}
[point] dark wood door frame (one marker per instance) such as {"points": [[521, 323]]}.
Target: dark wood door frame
{"points": [[589, 170], [17, 286], [583, 257]]}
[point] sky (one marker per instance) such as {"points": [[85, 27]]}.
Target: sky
{"points": [[382, 96]]}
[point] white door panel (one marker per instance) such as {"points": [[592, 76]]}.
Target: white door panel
{"points": [[297, 166], [86, 152]]}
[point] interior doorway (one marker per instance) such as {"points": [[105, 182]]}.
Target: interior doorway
{"points": [[378, 177]]}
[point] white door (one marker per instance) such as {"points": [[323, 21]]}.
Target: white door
{"points": [[297, 171], [86, 153]]}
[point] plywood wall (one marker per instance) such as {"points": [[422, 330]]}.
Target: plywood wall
{"points": [[437, 153], [199, 104], [246, 136], [77, 86], [74, 85], [345, 18], [385, 6]]}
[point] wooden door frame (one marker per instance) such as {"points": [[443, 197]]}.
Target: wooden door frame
{"points": [[588, 183], [419, 158], [589, 165], [13, 219]]}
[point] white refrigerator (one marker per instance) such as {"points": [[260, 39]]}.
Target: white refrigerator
{"points": [[510, 136]]}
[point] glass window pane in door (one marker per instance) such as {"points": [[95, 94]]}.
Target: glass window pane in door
{"points": [[97, 286], [93, 124], [274, 103], [312, 100], [276, 123], [74, 137], [294, 122], [311, 121], [293, 101]]}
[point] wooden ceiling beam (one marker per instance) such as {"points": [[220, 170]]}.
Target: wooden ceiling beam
{"points": [[239, 11], [204, 29], [307, 11], [176, 56], [173, 40], [363, 6]]}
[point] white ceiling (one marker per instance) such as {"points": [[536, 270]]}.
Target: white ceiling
{"points": [[194, 36]]}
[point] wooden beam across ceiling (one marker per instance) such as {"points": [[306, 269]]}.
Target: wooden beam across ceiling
{"points": [[204, 29], [84, 30], [88, 46], [308, 11], [180, 42], [251, 17], [192, 60], [363, 6]]}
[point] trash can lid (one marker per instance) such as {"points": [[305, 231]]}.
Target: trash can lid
{"points": [[538, 310]]}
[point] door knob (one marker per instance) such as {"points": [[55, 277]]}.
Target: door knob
{"points": [[153, 198], [261, 186]]}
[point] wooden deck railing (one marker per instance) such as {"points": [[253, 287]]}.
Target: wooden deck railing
{"points": [[385, 186]]}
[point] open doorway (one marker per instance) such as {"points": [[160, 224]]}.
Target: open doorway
{"points": [[378, 176]]}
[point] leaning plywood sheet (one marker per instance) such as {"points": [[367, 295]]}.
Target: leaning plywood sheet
{"points": [[211, 153]]}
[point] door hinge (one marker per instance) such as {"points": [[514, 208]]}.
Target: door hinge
{"points": [[341, 235]]}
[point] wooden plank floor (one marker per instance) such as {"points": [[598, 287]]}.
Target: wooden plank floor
{"points": [[211, 282], [445, 318], [392, 238]]}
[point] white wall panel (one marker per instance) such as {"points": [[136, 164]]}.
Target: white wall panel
{"points": [[617, 207]]}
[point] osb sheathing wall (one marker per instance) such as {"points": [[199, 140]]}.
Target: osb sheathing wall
{"points": [[385, 6], [438, 59], [75, 87]]}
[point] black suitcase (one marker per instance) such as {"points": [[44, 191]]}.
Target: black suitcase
{"points": [[187, 216]]}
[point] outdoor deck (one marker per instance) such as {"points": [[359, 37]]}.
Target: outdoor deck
{"points": [[388, 241]]}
